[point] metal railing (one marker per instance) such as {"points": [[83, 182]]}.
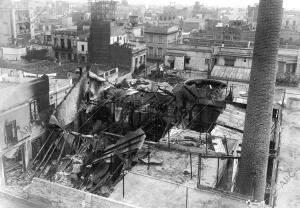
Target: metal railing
{"points": [[186, 200], [109, 73]]}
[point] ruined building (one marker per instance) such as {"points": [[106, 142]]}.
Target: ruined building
{"points": [[24, 110]]}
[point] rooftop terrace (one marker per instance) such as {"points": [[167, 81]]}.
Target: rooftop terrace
{"points": [[41, 67]]}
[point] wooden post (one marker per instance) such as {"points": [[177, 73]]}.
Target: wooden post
{"points": [[148, 158], [2, 172], [218, 171], [191, 164], [199, 171], [226, 90], [123, 183], [27, 153], [186, 197], [227, 176], [206, 143], [22, 148], [226, 146], [111, 163], [169, 139]]}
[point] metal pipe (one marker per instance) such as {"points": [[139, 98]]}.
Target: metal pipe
{"points": [[105, 158], [42, 160], [62, 149], [78, 145], [49, 136], [50, 155], [220, 157], [114, 147], [113, 150], [84, 141]]}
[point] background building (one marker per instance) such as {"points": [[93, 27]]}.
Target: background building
{"points": [[252, 12], [188, 57], [16, 26], [63, 8], [64, 42], [157, 39]]}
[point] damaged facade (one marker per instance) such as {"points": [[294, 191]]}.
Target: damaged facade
{"points": [[24, 112]]}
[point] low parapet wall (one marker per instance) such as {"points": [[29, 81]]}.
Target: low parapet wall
{"points": [[56, 195], [293, 103]]}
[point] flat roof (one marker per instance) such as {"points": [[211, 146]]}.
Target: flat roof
{"points": [[59, 83], [161, 29], [7, 84], [146, 191], [174, 164], [41, 67], [117, 31]]}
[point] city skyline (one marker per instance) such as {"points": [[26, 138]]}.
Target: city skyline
{"points": [[288, 4]]}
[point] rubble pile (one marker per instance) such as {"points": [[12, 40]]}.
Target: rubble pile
{"points": [[112, 124], [184, 137], [171, 79], [17, 176]]}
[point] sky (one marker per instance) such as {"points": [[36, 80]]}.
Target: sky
{"points": [[287, 4]]}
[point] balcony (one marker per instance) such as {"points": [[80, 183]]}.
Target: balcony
{"points": [[59, 48], [23, 32], [69, 32]]}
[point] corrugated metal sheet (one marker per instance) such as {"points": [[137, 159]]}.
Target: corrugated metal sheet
{"points": [[231, 73]]}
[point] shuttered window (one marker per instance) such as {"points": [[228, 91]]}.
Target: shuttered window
{"points": [[34, 110]]}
